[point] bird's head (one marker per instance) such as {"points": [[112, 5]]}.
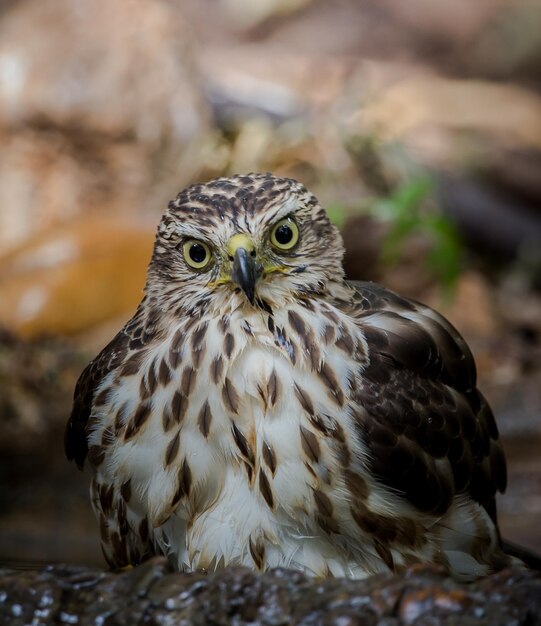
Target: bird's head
{"points": [[255, 240]]}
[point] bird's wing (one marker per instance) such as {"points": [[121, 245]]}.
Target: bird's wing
{"points": [[430, 432], [75, 436], [134, 336]]}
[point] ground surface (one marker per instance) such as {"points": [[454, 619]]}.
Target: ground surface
{"points": [[151, 594]]}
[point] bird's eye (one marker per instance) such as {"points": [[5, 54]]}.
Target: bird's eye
{"points": [[197, 254], [285, 234]]}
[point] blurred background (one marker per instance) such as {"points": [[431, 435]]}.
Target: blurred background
{"points": [[417, 124]]}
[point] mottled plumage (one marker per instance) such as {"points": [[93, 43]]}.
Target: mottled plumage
{"points": [[260, 410]]}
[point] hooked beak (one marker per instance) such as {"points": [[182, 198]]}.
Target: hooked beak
{"points": [[245, 272]]}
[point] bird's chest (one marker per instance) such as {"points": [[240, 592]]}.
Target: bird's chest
{"points": [[269, 454], [271, 409], [246, 437]]}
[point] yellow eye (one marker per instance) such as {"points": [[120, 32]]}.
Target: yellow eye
{"points": [[197, 254], [285, 234]]}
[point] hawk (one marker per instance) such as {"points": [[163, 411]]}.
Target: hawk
{"points": [[260, 410]]}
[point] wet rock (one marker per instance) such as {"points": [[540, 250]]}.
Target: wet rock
{"points": [[153, 594]]}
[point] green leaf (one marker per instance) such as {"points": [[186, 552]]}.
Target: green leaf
{"points": [[412, 209]]}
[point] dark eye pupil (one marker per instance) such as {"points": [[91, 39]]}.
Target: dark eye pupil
{"points": [[197, 253], [283, 234]]}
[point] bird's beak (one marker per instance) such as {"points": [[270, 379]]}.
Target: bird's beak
{"points": [[245, 270]]}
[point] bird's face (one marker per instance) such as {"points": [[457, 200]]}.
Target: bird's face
{"points": [[255, 241]]}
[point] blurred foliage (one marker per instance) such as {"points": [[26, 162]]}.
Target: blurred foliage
{"points": [[338, 214], [412, 209]]}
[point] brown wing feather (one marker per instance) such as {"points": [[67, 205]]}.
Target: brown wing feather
{"points": [[75, 436], [430, 431], [137, 333]]}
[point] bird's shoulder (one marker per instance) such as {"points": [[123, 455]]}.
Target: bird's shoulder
{"points": [[121, 351], [430, 432]]}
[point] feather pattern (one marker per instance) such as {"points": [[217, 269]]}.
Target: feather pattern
{"points": [[328, 426]]}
